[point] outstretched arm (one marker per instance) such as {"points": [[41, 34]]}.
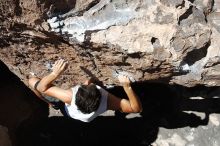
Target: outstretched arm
{"points": [[46, 81], [46, 87], [132, 105], [134, 100]]}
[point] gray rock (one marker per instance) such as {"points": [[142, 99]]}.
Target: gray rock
{"points": [[150, 39]]}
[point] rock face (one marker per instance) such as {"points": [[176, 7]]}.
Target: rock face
{"points": [[172, 41], [20, 109]]}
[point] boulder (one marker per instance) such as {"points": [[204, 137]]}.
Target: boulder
{"points": [[161, 40]]}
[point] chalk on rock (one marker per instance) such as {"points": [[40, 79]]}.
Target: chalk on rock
{"points": [[116, 73], [52, 20]]}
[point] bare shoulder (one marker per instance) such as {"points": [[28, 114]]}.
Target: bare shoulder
{"points": [[64, 95], [69, 92]]}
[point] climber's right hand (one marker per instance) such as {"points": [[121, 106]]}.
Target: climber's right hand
{"points": [[124, 80], [59, 66]]}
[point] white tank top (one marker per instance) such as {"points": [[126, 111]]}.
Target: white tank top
{"points": [[73, 112]]}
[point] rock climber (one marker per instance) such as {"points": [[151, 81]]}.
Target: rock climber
{"points": [[85, 102]]}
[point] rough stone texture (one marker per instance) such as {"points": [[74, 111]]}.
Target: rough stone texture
{"points": [[191, 136], [163, 40], [171, 41], [182, 34]]}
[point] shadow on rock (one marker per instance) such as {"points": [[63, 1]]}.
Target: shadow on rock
{"points": [[163, 106], [175, 106], [19, 109], [57, 131]]}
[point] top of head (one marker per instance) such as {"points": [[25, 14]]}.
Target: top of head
{"points": [[88, 98]]}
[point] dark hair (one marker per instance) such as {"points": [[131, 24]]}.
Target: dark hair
{"points": [[88, 98]]}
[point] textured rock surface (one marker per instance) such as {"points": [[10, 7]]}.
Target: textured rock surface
{"points": [[162, 36], [171, 41], [163, 40]]}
